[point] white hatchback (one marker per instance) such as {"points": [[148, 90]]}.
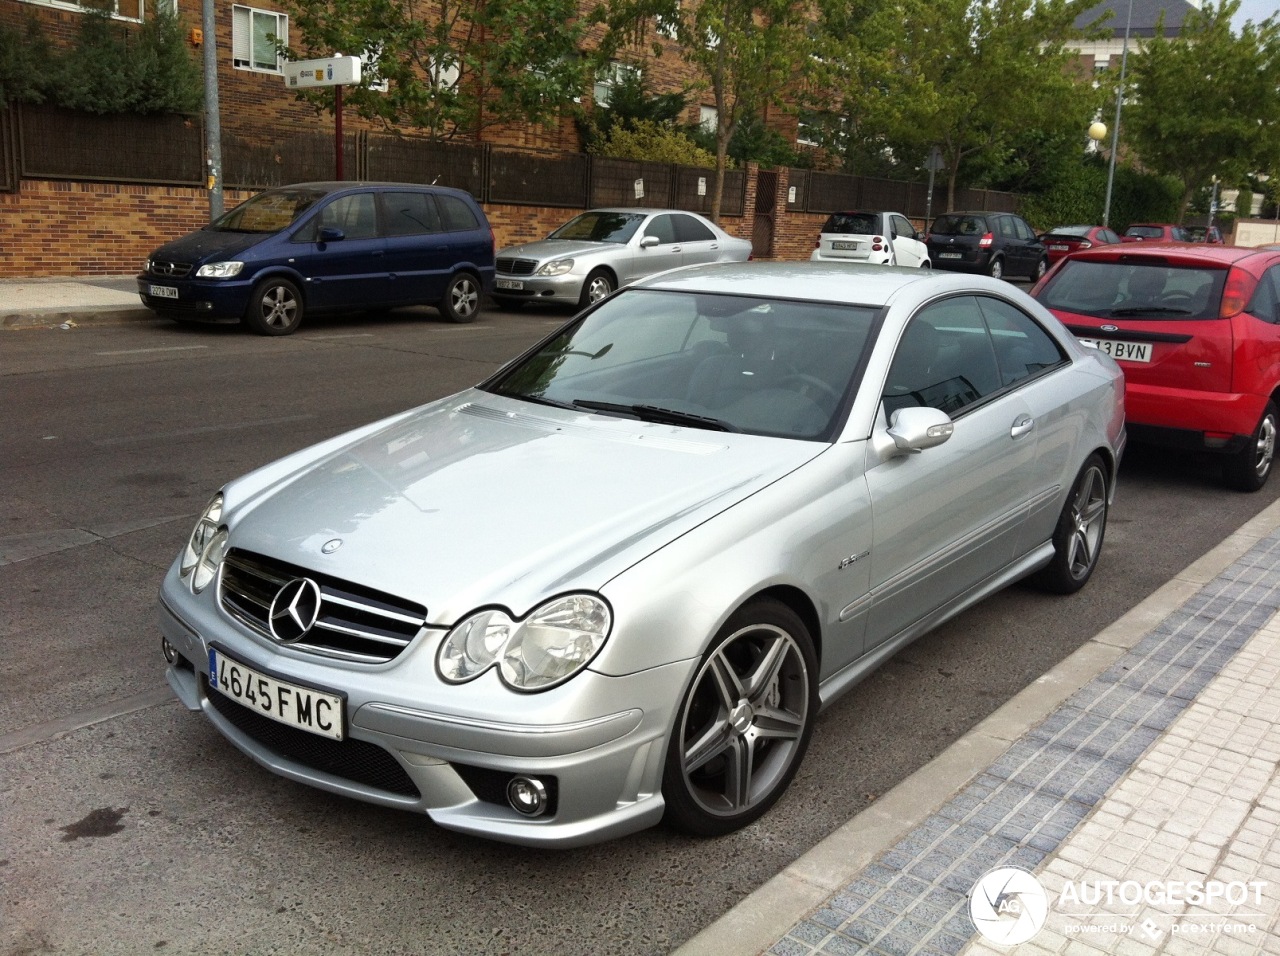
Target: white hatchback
{"points": [[877, 238]]}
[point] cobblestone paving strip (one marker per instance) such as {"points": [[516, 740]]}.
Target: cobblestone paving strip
{"points": [[1022, 810]]}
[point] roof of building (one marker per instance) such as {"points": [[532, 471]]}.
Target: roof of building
{"points": [[1146, 14]]}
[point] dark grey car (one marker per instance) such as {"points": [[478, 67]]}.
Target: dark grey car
{"points": [[995, 243]]}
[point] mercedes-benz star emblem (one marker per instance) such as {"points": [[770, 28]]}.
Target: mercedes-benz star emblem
{"points": [[294, 610]]}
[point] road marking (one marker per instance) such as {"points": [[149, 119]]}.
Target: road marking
{"points": [[167, 348], [49, 729], [36, 544], [333, 338]]}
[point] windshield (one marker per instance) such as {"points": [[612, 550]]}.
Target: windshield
{"points": [[721, 362], [853, 223], [270, 211], [1152, 290], [600, 227]]}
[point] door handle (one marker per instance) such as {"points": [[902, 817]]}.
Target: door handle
{"points": [[1022, 425]]}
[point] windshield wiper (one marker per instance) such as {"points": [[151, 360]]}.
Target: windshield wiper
{"points": [[1151, 310], [657, 414]]}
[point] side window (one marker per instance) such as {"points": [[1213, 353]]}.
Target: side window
{"points": [[903, 227], [1023, 230], [688, 229], [1265, 300], [662, 227], [456, 215], [1022, 347], [1109, 236], [1004, 225], [410, 214], [355, 215], [944, 359]]}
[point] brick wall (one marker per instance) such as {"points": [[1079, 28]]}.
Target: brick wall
{"points": [[83, 229]]}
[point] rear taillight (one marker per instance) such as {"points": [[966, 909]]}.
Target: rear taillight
{"points": [[1085, 244], [928, 238], [985, 241], [877, 243], [1237, 293], [818, 244], [493, 241]]}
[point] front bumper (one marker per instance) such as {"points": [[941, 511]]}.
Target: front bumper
{"points": [[196, 298], [598, 742], [561, 290]]}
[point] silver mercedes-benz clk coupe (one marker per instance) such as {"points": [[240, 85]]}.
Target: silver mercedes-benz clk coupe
{"points": [[617, 581]]}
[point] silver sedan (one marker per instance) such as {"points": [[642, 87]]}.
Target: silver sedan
{"points": [[598, 252], [616, 582]]}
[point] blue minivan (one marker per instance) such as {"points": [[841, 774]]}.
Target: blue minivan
{"points": [[327, 247]]}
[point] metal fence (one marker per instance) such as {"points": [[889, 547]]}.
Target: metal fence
{"points": [[46, 143]]}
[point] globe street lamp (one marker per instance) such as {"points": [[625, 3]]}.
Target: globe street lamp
{"points": [[1115, 129]]}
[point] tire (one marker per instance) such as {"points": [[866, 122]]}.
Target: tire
{"points": [[599, 284], [1077, 540], [1042, 266], [461, 301], [996, 269], [1249, 469], [275, 308], [744, 723]]}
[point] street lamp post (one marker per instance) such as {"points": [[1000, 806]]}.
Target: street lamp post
{"points": [[1115, 130]]}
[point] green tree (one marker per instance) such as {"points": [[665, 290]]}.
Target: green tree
{"points": [[1207, 102], [465, 66], [656, 142], [989, 82], [743, 52], [631, 101], [94, 73], [24, 63], [166, 78]]}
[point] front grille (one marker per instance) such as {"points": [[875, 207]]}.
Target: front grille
{"points": [[356, 760], [355, 623], [516, 267], [170, 270]]}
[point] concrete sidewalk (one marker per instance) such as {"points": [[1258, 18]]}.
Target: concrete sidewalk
{"points": [[1130, 799], [49, 303]]}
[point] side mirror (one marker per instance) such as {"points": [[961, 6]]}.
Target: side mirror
{"points": [[330, 234], [915, 429], [648, 242]]}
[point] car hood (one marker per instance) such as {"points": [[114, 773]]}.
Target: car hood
{"points": [[563, 249], [208, 244], [482, 500]]}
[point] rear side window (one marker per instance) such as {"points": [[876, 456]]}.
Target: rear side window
{"points": [[1135, 289], [1022, 347], [1266, 298], [959, 226], [689, 229], [852, 223], [456, 215], [410, 214]]}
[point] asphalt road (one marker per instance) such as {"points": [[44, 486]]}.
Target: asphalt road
{"points": [[129, 825]]}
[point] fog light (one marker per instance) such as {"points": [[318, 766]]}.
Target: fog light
{"points": [[169, 651], [527, 796], [204, 306]]}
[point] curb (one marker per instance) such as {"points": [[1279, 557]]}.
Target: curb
{"points": [[69, 319]]}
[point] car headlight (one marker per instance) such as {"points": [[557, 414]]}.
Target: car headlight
{"points": [[210, 560], [556, 268], [219, 270], [206, 527], [558, 639]]}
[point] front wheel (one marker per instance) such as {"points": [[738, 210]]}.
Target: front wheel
{"points": [[275, 308], [598, 285], [1077, 540], [461, 302], [1249, 469], [744, 724], [996, 269]]}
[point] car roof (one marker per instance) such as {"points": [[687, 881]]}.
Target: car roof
{"points": [[854, 283], [1182, 253], [332, 186], [638, 210]]}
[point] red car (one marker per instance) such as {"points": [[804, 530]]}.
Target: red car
{"points": [[1155, 232], [1068, 239], [1196, 330]]}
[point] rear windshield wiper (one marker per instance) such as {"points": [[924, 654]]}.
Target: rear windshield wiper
{"points": [[658, 414]]}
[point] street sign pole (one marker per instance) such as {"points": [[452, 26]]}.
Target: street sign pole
{"points": [[335, 71]]}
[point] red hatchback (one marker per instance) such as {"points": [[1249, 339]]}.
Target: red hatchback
{"points": [[1196, 330]]}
